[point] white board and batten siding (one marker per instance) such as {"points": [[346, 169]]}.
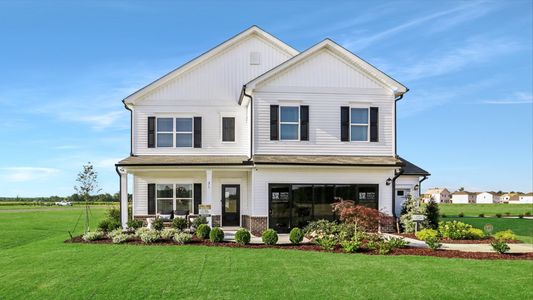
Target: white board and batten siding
{"points": [[210, 90], [324, 82], [263, 176]]}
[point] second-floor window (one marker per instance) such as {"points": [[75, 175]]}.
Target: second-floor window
{"points": [[359, 124], [289, 129], [228, 129], [174, 132]]}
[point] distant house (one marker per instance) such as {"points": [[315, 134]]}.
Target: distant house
{"points": [[440, 195], [487, 198], [524, 199], [463, 197], [509, 198]]}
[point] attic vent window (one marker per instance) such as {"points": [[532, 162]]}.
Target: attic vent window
{"points": [[255, 58]]}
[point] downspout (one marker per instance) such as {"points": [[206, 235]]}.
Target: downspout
{"points": [[420, 185], [131, 128], [394, 192], [251, 120], [396, 123]]}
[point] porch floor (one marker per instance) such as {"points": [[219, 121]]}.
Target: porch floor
{"points": [[283, 238]]}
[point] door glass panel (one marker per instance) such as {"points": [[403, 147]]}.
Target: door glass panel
{"points": [[280, 207], [230, 204], [302, 205]]}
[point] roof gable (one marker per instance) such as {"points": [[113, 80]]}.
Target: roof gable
{"points": [[341, 53], [221, 48]]}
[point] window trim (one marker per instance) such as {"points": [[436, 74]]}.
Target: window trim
{"points": [[174, 196], [174, 131], [367, 124], [222, 129], [298, 123]]}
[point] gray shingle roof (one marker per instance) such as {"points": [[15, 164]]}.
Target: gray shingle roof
{"points": [[411, 169]]}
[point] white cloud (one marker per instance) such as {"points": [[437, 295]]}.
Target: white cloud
{"points": [[450, 18], [516, 98], [22, 174]]}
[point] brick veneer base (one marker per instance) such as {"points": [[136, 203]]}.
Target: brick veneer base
{"points": [[215, 220], [256, 225]]}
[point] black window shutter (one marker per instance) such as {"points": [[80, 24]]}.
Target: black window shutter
{"points": [[274, 122], [228, 129], [197, 132], [304, 123], [374, 113], [151, 198], [345, 123], [151, 132], [197, 196]]}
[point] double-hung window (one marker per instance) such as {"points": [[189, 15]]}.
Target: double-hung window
{"points": [[183, 132], [359, 124], [289, 121], [228, 129], [174, 132], [174, 197]]}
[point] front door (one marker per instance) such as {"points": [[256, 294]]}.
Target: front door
{"points": [[231, 202]]}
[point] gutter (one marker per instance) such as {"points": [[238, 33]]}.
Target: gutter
{"points": [[420, 185], [394, 192], [131, 127], [396, 123], [251, 120]]}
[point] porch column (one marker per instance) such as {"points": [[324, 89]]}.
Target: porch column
{"points": [[123, 197], [209, 186]]}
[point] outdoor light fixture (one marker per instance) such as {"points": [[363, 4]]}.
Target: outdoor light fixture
{"points": [[416, 187], [388, 182]]}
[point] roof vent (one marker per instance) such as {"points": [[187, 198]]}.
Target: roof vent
{"points": [[255, 58]]}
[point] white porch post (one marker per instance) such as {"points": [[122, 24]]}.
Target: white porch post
{"points": [[209, 191], [123, 197]]}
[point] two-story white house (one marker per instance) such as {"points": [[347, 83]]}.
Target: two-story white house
{"points": [[487, 198], [439, 195], [266, 135]]}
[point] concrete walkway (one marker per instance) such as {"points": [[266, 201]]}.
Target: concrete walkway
{"points": [[515, 248]]}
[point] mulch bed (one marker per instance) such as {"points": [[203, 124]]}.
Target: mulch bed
{"points": [[316, 248], [486, 240]]}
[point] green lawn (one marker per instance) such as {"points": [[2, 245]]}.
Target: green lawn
{"points": [[473, 210], [36, 264], [523, 228]]}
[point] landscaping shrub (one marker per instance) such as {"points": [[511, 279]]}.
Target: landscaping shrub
{"points": [[216, 235], [168, 233], [135, 224], [103, 224], [475, 234], [296, 236], [433, 242], [498, 215], [366, 218], [454, 230], [384, 247], [506, 235], [443, 215], [120, 238], [528, 213], [269, 237], [182, 238], [113, 233], [500, 246], [481, 215], [373, 239], [410, 207], [179, 223], [425, 234], [158, 224], [141, 230], [93, 235], [199, 221], [507, 213], [113, 213], [327, 242], [320, 228], [461, 214], [202, 232], [520, 216], [150, 236], [432, 215], [242, 236], [351, 246], [395, 242]]}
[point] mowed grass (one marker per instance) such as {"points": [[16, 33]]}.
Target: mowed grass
{"points": [[36, 264], [473, 210], [523, 228]]}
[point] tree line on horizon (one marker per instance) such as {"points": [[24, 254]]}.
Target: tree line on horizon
{"points": [[104, 197]]}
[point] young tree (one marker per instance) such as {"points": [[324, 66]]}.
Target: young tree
{"points": [[432, 214], [87, 185]]}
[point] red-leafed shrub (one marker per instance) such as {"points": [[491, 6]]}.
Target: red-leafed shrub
{"points": [[365, 218]]}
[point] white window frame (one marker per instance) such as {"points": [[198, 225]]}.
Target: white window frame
{"points": [[360, 124], [289, 123], [157, 132], [174, 132], [174, 196], [222, 128]]}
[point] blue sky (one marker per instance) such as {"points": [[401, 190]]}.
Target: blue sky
{"points": [[66, 66]]}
